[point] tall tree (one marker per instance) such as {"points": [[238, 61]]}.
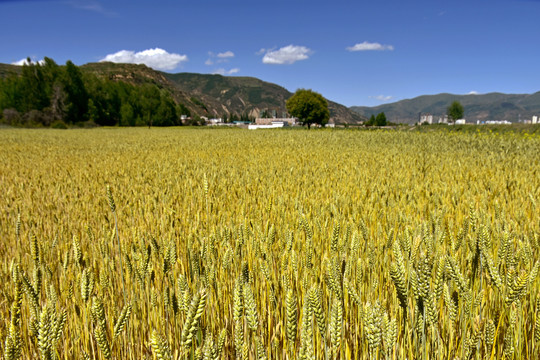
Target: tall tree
{"points": [[166, 112], [371, 121], [52, 74], [455, 111], [309, 107], [9, 94], [150, 99], [32, 90], [77, 96], [380, 120], [127, 115]]}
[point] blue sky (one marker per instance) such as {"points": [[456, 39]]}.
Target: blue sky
{"points": [[352, 52]]}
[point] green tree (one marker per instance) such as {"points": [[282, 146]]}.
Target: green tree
{"points": [[233, 117], [166, 112], [183, 110], [77, 96], [52, 74], [455, 111], [309, 107], [9, 95], [93, 112], [127, 115], [371, 121], [150, 99], [32, 91], [380, 120]]}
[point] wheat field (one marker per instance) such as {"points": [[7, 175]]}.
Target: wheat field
{"points": [[188, 243]]}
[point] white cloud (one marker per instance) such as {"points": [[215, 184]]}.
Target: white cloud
{"points": [[218, 58], [225, 55], [473, 92], [91, 5], [155, 58], [286, 55], [226, 72], [382, 97], [25, 62], [367, 46]]}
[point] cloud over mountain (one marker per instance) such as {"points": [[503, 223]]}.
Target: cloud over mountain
{"points": [[221, 57], [25, 62], [155, 58], [382, 97], [222, 71]]}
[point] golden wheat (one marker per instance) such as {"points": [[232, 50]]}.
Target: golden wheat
{"points": [[274, 244]]}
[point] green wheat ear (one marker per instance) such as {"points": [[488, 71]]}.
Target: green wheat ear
{"points": [[292, 315], [112, 205], [537, 322], [205, 185], [18, 226], [221, 341], [160, 347], [261, 353], [110, 198], [122, 320]]}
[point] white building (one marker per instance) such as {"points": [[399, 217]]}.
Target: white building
{"points": [[272, 125], [270, 121], [215, 121], [426, 118], [460, 122], [535, 119], [497, 122], [443, 120]]}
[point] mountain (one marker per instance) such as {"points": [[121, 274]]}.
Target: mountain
{"points": [[214, 95], [491, 106]]}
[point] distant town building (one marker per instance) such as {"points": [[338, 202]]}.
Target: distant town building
{"points": [[443, 119], [460, 122], [425, 119], [493, 122], [535, 119], [215, 121], [271, 125], [264, 121]]}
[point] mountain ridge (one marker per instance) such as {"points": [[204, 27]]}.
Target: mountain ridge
{"points": [[489, 106], [208, 95]]}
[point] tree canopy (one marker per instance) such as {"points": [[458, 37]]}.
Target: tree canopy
{"points": [[46, 94], [309, 107], [455, 111], [379, 120]]}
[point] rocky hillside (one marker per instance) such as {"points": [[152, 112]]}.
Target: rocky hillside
{"points": [[215, 95]]}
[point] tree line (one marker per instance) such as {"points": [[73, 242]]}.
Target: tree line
{"points": [[46, 94], [379, 120]]}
